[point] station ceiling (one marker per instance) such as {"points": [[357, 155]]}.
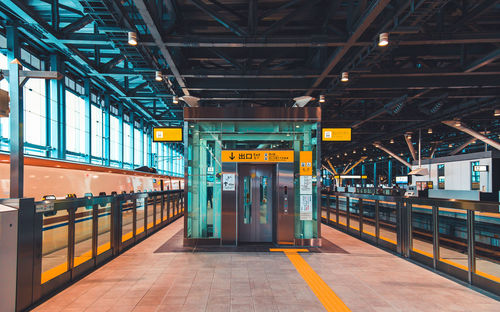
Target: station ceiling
{"points": [[442, 61]]}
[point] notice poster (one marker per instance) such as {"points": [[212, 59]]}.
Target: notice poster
{"points": [[306, 187], [305, 207], [228, 182]]}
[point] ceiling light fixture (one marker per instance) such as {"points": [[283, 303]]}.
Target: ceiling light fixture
{"points": [[458, 123], [392, 141], [383, 39], [364, 148], [158, 76], [175, 99], [322, 98], [429, 131], [354, 152], [496, 113], [132, 38], [345, 77]]}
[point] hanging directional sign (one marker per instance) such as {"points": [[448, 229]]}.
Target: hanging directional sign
{"points": [[169, 134], [336, 134], [257, 156]]}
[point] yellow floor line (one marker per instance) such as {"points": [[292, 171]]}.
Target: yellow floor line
{"points": [[325, 294]]}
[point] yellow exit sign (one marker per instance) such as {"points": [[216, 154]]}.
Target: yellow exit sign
{"points": [[170, 134], [257, 156], [336, 134]]}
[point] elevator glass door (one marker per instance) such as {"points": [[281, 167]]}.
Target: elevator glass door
{"points": [[255, 203]]}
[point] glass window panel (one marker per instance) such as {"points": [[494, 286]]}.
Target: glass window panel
{"points": [[4, 121], [487, 244], [453, 237], [265, 198], [127, 144], [115, 135], [422, 228], [75, 123], [34, 112], [388, 221], [97, 139], [138, 146]]}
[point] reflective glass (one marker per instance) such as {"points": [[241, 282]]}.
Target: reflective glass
{"points": [[422, 228], [453, 237], [247, 193], [103, 229], [83, 235], [127, 221], [487, 244], [264, 198]]}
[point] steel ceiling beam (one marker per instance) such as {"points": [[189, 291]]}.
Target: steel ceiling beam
{"points": [[150, 24], [401, 160], [487, 59], [372, 13], [77, 25], [235, 28], [33, 20], [290, 16], [469, 131]]}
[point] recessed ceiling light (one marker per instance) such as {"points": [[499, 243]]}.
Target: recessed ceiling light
{"points": [[344, 77], [158, 76], [322, 98]]}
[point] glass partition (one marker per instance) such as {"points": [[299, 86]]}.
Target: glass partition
{"points": [[104, 229], [354, 213], [369, 216], [453, 237], [83, 235], [54, 244], [422, 229], [487, 244], [128, 220], [342, 210], [388, 221]]}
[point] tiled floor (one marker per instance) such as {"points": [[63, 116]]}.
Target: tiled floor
{"points": [[366, 279]]}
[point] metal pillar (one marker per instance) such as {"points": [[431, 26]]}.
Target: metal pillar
{"points": [[121, 134], [16, 116], [143, 160], [57, 110], [375, 174], [389, 174], [88, 121], [363, 172], [132, 139], [106, 131]]}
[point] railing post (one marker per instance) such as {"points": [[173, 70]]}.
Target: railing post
{"points": [[162, 205], [116, 225], [360, 211], [154, 211], [337, 210], [471, 245], [347, 213], [435, 236], [168, 206], [71, 239], [95, 230], [327, 208], [134, 221], [377, 220]]}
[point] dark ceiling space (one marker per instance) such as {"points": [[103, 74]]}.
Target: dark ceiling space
{"points": [[442, 61]]}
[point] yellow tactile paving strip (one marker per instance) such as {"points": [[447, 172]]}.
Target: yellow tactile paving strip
{"points": [[325, 294]]}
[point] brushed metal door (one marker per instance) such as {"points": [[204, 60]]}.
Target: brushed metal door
{"points": [[255, 204]]}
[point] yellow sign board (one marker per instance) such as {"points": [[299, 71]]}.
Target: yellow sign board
{"points": [[306, 163], [336, 134], [169, 134], [257, 156]]}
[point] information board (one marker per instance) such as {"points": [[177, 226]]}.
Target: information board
{"points": [[229, 182], [256, 156], [305, 207], [306, 163]]}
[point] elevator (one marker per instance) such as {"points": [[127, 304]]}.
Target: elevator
{"points": [[252, 176]]}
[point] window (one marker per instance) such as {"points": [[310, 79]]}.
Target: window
{"points": [[115, 148], [475, 176], [127, 145], [440, 176], [138, 146], [97, 139], [145, 149], [34, 113], [4, 121], [75, 123]]}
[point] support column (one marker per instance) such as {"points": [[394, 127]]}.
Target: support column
{"points": [[132, 139], [106, 132], [57, 110], [363, 172], [143, 160], [375, 183], [121, 140], [16, 116], [88, 121], [389, 174]]}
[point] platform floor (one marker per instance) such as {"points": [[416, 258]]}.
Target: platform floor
{"points": [[365, 279]]}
